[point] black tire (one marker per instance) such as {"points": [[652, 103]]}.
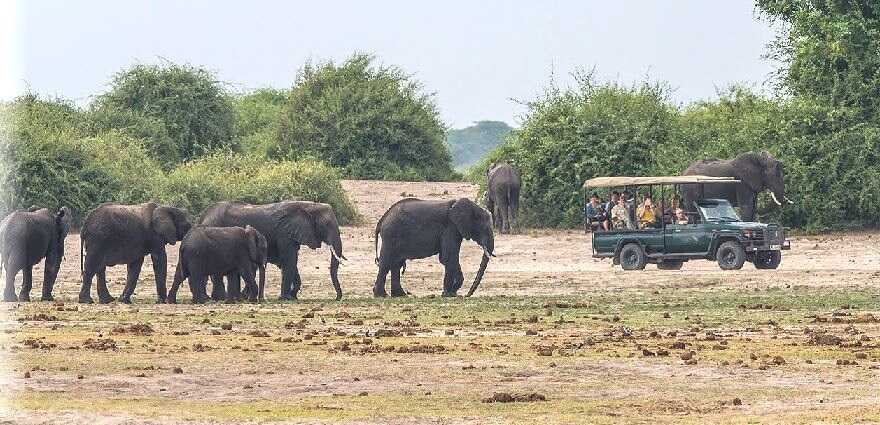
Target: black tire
{"points": [[730, 255], [670, 265], [768, 260], [632, 257]]}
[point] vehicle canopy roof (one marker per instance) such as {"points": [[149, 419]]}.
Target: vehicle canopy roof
{"points": [[647, 181]]}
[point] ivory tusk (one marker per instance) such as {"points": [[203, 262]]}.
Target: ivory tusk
{"points": [[773, 195], [335, 255], [789, 201]]}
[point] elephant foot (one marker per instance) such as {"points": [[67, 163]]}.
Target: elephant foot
{"points": [[171, 300], [287, 297], [379, 294], [107, 300], [400, 293], [10, 298], [86, 299], [124, 300], [160, 300], [218, 296], [449, 294], [47, 298], [25, 298], [338, 296]]}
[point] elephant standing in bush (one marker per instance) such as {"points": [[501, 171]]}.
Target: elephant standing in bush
{"points": [[756, 171], [220, 251], [413, 228], [285, 225], [26, 238], [123, 234], [502, 195]]}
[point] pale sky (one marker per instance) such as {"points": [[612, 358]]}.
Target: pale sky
{"points": [[474, 55]]}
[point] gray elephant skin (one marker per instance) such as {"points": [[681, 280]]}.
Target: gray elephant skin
{"points": [[413, 228], [286, 225], [220, 251], [503, 183], [115, 234], [26, 238], [756, 171]]}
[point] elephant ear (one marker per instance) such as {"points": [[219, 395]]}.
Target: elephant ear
{"points": [[300, 224], [163, 225], [62, 222], [253, 246], [462, 215]]}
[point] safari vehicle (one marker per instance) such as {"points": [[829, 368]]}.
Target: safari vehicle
{"points": [[714, 232]]}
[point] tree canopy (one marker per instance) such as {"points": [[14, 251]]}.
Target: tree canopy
{"points": [[468, 145], [371, 121], [189, 102]]}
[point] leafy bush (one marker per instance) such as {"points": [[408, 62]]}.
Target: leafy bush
{"points": [[189, 101], [249, 178], [574, 134], [371, 121], [257, 115], [150, 130], [49, 162], [469, 145]]}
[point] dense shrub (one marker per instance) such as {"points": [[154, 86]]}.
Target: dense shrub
{"points": [[150, 130], [570, 135], [257, 115], [227, 176], [190, 102], [373, 122]]}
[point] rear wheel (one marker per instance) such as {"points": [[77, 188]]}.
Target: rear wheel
{"points": [[632, 257], [767, 260], [670, 265], [731, 255]]}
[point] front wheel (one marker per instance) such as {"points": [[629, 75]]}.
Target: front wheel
{"points": [[768, 260], [632, 257], [731, 255]]}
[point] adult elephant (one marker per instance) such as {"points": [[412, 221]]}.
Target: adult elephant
{"points": [[502, 195], [123, 234], [26, 238], [220, 251], [757, 172], [413, 228], [286, 225]]}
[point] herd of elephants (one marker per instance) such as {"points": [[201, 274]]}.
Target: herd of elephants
{"points": [[235, 240]]}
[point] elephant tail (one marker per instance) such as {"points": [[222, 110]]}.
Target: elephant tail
{"points": [[82, 268], [376, 242]]}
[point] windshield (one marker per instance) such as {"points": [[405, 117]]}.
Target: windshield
{"points": [[718, 212]]}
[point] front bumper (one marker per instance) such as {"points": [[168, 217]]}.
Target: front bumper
{"points": [[755, 246]]}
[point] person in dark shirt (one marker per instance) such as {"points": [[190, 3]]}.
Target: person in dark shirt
{"points": [[595, 213]]}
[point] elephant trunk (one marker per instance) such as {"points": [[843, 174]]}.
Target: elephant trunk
{"points": [[335, 257], [483, 263]]}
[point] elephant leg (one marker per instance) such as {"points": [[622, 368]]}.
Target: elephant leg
{"points": [[85, 292], [104, 296], [197, 283], [396, 289], [505, 217], [379, 287], [50, 274], [160, 270], [233, 290], [458, 280], [218, 291], [290, 276], [27, 283], [134, 271], [175, 285], [513, 206], [250, 283], [9, 290], [449, 280]]}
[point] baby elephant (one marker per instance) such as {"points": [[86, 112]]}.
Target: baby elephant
{"points": [[26, 238], [220, 251]]}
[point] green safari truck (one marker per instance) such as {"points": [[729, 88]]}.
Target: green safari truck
{"points": [[710, 230]]}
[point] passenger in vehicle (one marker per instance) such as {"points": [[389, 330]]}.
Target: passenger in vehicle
{"points": [[681, 217], [595, 214], [620, 215], [630, 209], [645, 214], [615, 195]]}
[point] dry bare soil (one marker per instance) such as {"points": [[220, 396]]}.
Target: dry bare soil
{"points": [[553, 336]]}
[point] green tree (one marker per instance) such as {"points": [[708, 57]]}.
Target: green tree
{"points": [[469, 145], [830, 51], [257, 115], [373, 122], [189, 101]]}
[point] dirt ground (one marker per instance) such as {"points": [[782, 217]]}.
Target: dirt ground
{"points": [[552, 335]]}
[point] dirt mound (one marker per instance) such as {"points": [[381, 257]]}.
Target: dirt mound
{"points": [[136, 329], [514, 398]]}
